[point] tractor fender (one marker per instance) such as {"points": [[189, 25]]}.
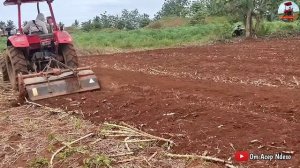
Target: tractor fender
{"points": [[63, 37], [18, 41]]}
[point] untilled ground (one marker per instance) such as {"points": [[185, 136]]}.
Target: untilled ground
{"points": [[221, 98]]}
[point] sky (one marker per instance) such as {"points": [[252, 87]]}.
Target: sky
{"points": [[67, 11]]}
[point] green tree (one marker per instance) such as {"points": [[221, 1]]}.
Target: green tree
{"points": [[2, 26], [199, 6], [106, 20], [198, 11], [87, 26], [97, 23], [75, 24], [133, 19], [120, 24], [114, 21], [128, 20], [144, 20], [247, 10], [216, 7], [178, 8], [10, 24]]}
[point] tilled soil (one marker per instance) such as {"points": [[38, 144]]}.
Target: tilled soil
{"points": [[221, 98]]}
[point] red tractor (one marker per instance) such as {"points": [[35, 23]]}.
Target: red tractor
{"points": [[40, 66], [288, 12]]}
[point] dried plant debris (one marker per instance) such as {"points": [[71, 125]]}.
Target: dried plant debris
{"points": [[37, 137], [33, 135]]}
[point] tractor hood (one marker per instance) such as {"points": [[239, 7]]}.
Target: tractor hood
{"points": [[15, 2]]}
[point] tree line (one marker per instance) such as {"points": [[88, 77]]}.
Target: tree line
{"points": [[4, 25], [250, 12], [128, 20]]}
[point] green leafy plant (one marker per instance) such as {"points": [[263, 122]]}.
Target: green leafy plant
{"points": [[67, 153], [97, 161], [39, 163]]}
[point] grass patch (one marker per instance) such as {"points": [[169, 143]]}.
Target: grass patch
{"points": [[39, 163], [149, 38], [2, 44]]}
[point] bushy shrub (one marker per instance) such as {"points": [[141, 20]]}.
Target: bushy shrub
{"points": [[264, 29], [198, 18], [278, 28]]}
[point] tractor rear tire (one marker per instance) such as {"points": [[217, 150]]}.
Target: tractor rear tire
{"points": [[16, 64], [70, 56], [4, 69]]}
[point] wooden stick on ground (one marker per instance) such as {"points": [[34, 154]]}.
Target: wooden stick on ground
{"points": [[45, 107], [147, 161], [139, 140], [32, 103], [206, 158], [148, 135], [230, 166], [97, 140], [296, 81], [137, 131], [128, 160], [126, 144], [151, 157], [121, 154], [69, 144]]}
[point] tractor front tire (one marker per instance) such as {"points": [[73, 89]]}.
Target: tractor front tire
{"points": [[16, 64], [70, 56], [4, 69]]}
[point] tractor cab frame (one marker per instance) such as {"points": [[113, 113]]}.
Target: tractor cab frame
{"points": [[19, 4], [21, 40], [40, 66]]}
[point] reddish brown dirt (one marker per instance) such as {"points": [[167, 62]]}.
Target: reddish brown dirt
{"points": [[215, 98]]}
